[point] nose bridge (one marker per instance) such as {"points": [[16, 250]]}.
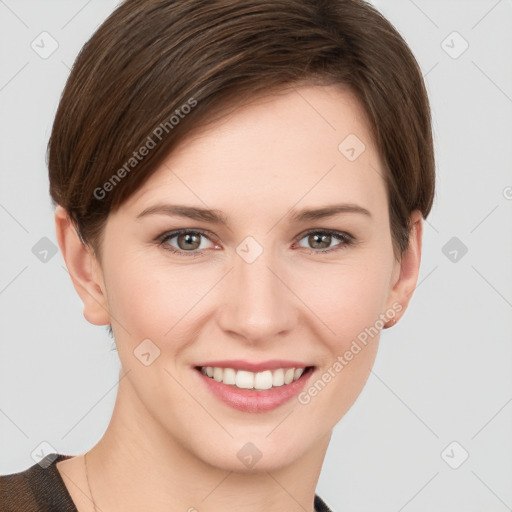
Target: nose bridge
{"points": [[259, 306]]}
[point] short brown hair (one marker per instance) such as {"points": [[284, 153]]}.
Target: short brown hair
{"points": [[151, 58]]}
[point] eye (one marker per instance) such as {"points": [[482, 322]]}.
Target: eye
{"points": [[189, 242], [185, 241], [323, 238]]}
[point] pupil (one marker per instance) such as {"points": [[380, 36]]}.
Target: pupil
{"points": [[322, 240], [188, 239]]}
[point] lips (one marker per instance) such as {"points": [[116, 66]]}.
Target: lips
{"points": [[271, 385]]}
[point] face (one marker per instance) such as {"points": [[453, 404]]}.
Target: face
{"points": [[292, 267]]}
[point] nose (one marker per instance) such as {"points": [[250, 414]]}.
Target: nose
{"points": [[258, 304]]}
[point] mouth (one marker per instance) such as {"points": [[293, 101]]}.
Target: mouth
{"points": [[254, 391], [259, 381]]}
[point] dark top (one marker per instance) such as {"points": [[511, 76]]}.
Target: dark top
{"points": [[40, 488]]}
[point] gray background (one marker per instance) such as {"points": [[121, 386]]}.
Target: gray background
{"points": [[443, 374]]}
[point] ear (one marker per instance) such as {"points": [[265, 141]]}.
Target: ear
{"points": [[84, 269], [405, 275]]}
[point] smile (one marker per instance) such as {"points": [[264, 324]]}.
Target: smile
{"points": [[254, 392], [243, 379]]}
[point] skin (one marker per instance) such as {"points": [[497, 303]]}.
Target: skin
{"points": [[170, 442]]}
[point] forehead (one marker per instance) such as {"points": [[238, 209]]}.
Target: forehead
{"points": [[310, 142]]}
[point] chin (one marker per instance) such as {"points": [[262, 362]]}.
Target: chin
{"points": [[254, 453]]}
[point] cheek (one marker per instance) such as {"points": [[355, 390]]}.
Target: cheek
{"points": [[150, 299], [349, 300], [347, 297]]}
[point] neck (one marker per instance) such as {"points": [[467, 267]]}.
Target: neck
{"points": [[138, 466]]}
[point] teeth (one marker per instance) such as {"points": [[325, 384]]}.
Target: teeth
{"points": [[263, 380], [244, 380], [217, 374], [229, 376], [249, 380], [298, 373], [278, 377], [288, 376]]}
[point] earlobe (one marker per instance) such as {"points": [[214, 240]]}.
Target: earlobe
{"points": [[403, 289], [83, 268]]}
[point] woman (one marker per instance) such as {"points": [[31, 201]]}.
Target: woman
{"points": [[239, 191]]}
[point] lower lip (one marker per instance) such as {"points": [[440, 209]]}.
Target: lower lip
{"points": [[248, 400]]}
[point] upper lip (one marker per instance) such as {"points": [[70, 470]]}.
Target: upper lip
{"points": [[240, 364]]}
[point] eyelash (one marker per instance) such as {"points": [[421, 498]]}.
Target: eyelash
{"points": [[346, 239]]}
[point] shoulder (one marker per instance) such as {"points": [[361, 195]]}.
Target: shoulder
{"points": [[39, 488], [320, 505]]}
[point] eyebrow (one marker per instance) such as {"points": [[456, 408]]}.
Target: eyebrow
{"points": [[217, 217], [327, 211]]}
